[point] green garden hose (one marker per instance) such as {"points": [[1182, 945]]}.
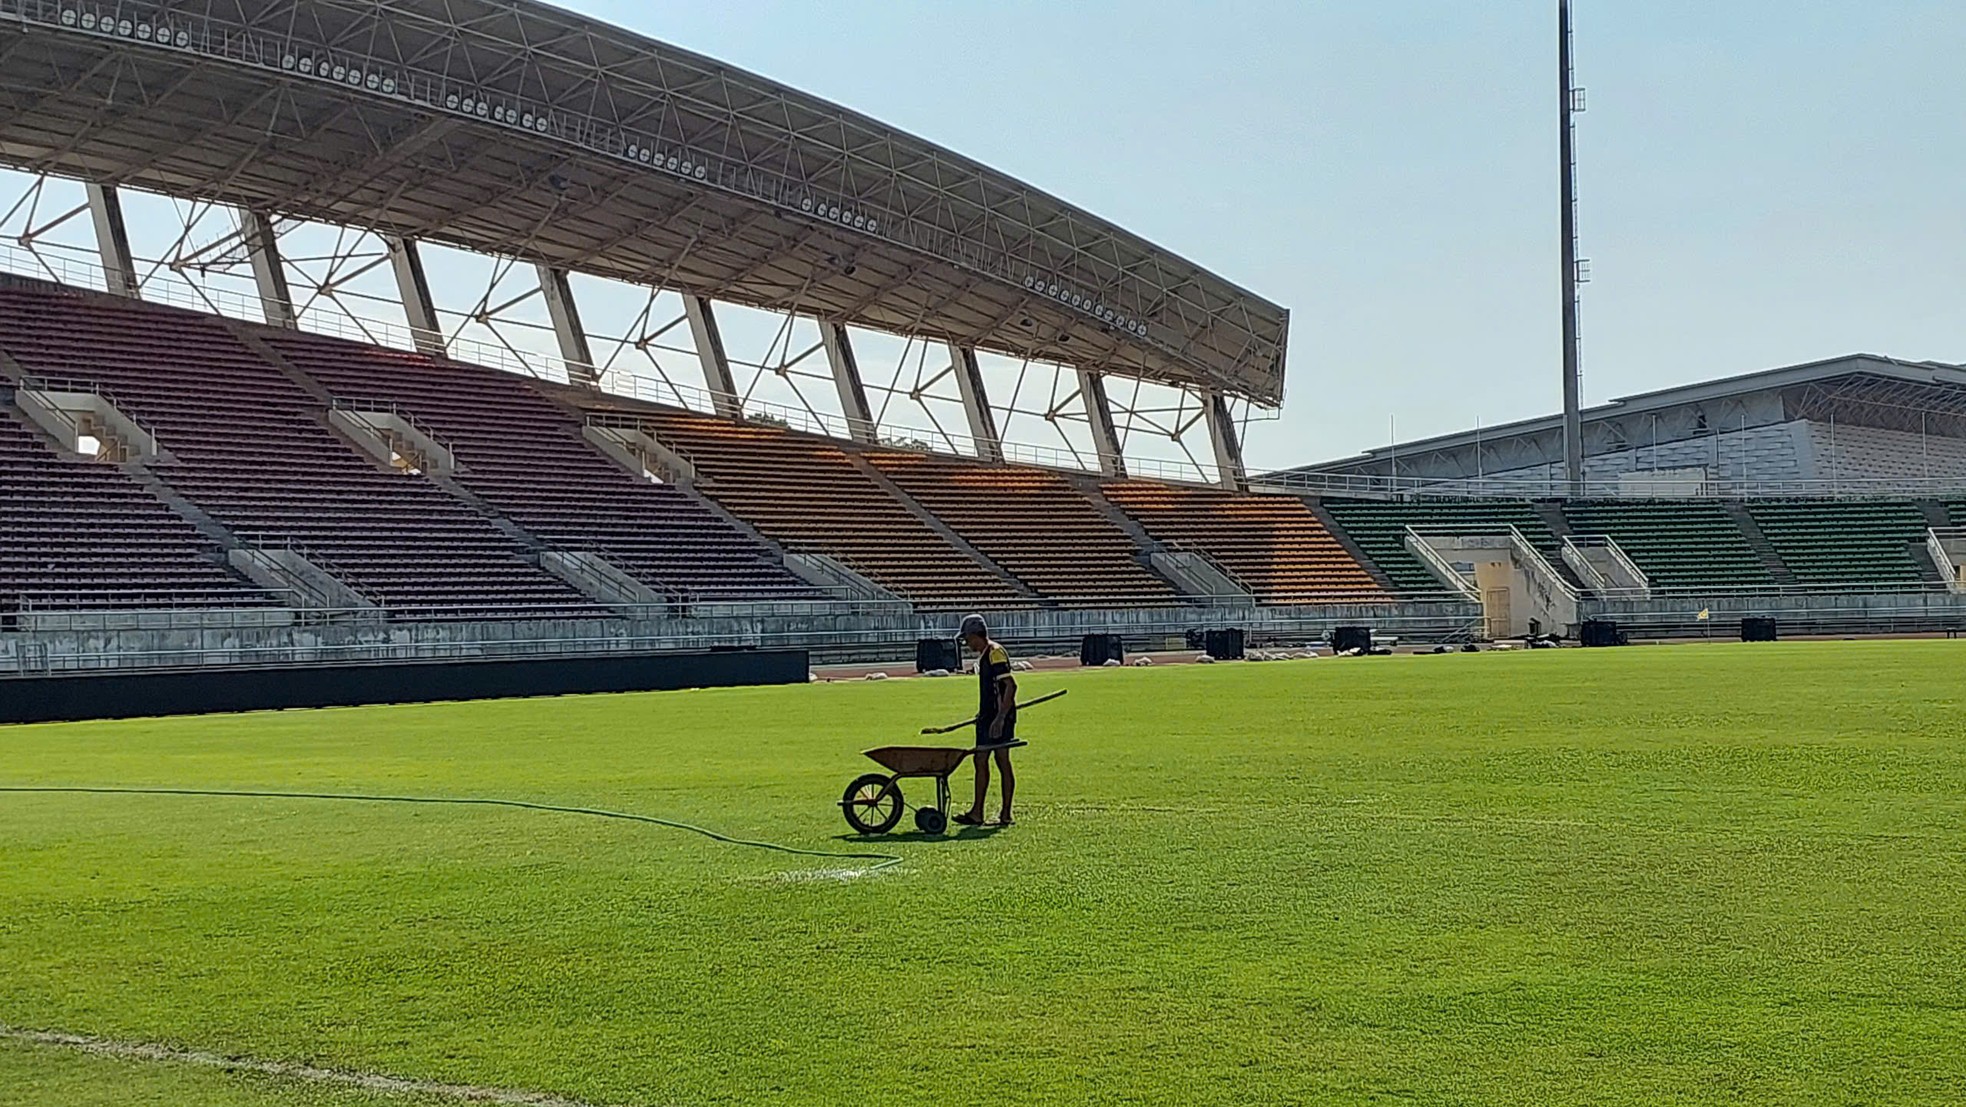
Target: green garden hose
{"points": [[886, 860]]}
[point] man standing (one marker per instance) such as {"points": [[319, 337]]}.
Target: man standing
{"points": [[996, 718]]}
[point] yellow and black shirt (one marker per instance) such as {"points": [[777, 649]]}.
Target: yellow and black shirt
{"points": [[992, 669]]}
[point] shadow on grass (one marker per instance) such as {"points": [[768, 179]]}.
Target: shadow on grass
{"points": [[955, 834]]}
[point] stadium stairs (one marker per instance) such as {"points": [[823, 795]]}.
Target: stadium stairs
{"points": [[1771, 558], [250, 448], [523, 457]]}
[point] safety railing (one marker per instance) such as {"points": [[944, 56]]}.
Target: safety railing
{"points": [[79, 273], [1374, 487]]}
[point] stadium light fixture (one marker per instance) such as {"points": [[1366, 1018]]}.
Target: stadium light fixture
{"points": [[143, 31], [69, 18]]}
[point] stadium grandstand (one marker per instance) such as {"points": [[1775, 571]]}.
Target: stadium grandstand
{"points": [[214, 457]]}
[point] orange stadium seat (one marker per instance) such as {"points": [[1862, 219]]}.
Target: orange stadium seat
{"points": [[1035, 524], [1272, 545]]}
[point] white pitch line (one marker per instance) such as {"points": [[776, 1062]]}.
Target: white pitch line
{"points": [[368, 1081]]}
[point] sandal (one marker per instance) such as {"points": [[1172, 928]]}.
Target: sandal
{"points": [[967, 819]]}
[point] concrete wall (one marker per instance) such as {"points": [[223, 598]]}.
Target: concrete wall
{"points": [[829, 633], [1771, 453]]}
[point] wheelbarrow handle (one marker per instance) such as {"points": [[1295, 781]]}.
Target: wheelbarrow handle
{"points": [[971, 721]]}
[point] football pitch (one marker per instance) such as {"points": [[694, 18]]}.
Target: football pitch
{"points": [[1702, 874]]}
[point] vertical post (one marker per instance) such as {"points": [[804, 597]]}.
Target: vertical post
{"points": [[846, 379], [119, 266], [1229, 468], [1099, 412], [565, 314], [1573, 432], [976, 404], [276, 300], [709, 342], [413, 288]]}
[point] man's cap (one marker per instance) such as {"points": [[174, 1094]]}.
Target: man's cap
{"points": [[973, 624]]}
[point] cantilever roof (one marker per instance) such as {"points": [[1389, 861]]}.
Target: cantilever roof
{"points": [[514, 128]]}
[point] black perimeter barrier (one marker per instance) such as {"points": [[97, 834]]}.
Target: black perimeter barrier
{"points": [[112, 695], [1097, 649], [932, 654]]}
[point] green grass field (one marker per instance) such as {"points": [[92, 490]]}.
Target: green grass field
{"points": [[1690, 875]]}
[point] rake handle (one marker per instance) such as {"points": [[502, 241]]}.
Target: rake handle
{"points": [[971, 721]]}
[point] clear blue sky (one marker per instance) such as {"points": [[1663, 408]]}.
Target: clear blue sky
{"points": [[1763, 183]]}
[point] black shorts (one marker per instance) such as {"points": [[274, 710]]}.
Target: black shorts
{"points": [[1009, 733]]}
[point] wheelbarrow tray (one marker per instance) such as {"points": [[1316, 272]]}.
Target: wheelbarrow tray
{"points": [[919, 760]]}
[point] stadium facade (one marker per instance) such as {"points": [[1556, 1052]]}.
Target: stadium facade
{"points": [[1848, 425]]}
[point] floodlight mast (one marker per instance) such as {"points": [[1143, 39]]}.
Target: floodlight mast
{"points": [[1573, 430]]}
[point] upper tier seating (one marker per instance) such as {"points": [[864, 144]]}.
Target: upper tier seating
{"points": [[805, 493], [525, 456], [251, 450], [1272, 545], [1379, 529], [1846, 542], [1679, 544], [1034, 524], [81, 535]]}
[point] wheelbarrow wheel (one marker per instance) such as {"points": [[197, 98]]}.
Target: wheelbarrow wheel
{"points": [[930, 820], [872, 803]]}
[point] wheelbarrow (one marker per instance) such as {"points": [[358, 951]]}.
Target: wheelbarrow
{"points": [[873, 804]]}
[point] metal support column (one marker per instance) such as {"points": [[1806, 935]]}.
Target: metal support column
{"points": [[709, 342], [119, 266], [976, 404], [414, 289], [846, 378], [560, 307], [276, 300], [1228, 446], [1099, 413]]}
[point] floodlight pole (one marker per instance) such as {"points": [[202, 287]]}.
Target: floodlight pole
{"points": [[1573, 428]]}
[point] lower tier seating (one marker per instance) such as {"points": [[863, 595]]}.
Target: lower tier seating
{"points": [[1867, 542], [1271, 545], [1035, 524], [1679, 544], [250, 447], [78, 535], [806, 494], [1378, 528], [525, 456]]}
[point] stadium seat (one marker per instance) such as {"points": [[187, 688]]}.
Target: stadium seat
{"points": [[524, 455], [1853, 542], [1378, 528], [1273, 546], [1035, 524], [1679, 544], [250, 447], [805, 493]]}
